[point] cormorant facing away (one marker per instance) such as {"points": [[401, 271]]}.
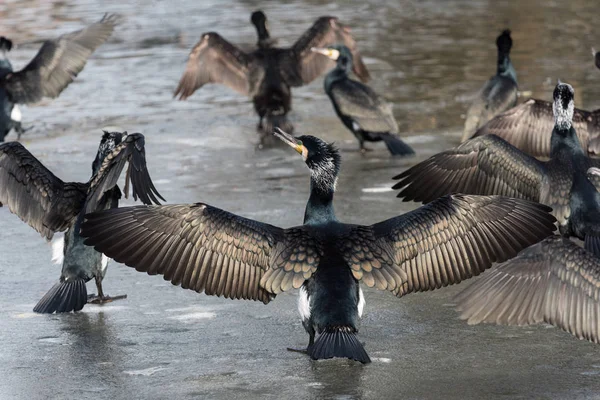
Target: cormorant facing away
{"points": [[50, 205], [528, 126], [55, 65], [267, 74], [362, 110], [498, 94], [488, 165], [209, 250], [554, 281]]}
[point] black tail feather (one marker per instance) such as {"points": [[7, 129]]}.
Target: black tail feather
{"points": [[592, 244], [64, 296], [338, 342], [396, 146]]}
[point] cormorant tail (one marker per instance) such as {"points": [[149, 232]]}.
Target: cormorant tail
{"points": [[64, 296], [396, 146], [272, 121], [592, 244], [338, 342]]}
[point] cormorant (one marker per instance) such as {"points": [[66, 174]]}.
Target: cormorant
{"points": [[267, 74], [488, 165], [554, 281], [362, 110], [209, 250], [528, 126], [53, 68], [50, 205], [498, 94]]}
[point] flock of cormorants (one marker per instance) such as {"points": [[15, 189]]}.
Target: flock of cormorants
{"points": [[488, 200]]}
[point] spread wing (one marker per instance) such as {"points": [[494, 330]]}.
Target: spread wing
{"points": [[555, 281], [326, 31], [365, 107], [215, 60], [57, 63], [32, 192], [131, 150], [485, 165], [529, 126], [206, 249], [445, 242]]}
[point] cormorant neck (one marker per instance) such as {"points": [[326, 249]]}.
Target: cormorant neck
{"points": [[505, 67], [337, 74], [319, 209], [264, 38], [565, 139]]}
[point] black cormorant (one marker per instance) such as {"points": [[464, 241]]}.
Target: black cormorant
{"points": [[528, 126], [50, 205], [267, 74], [209, 250], [55, 65], [488, 165], [362, 110], [498, 94], [554, 281]]}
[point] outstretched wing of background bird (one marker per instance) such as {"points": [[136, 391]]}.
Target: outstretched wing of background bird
{"points": [[445, 242], [365, 107], [326, 31], [529, 126], [35, 194], [555, 281], [57, 63], [215, 60], [131, 150], [486, 165], [206, 249]]}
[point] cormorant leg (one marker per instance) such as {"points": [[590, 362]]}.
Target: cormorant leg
{"points": [[18, 126], [101, 298], [311, 338]]}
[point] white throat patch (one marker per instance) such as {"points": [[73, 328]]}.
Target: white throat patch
{"points": [[563, 118], [324, 175]]}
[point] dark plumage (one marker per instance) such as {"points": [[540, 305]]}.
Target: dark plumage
{"points": [[554, 281], [488, 165], [528, 126], [498, 94], [267, 74], [210, 250], [363, 111], [53, 68], [50, 205]]}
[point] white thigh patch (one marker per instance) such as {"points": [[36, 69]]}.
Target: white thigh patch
{"points": [[15, 114], [303, 304], [104, 265], [58, 250], [361, 302]]}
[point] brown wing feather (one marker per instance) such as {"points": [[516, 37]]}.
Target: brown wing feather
{"points": [[206, 249], [131, 150], [554, 281], [529, 126], [35, 194], [326, 31], [445, 242], [215, 60], [485, 165], [57, 63]]}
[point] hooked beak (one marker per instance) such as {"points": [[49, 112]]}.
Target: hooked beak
{"points": [[289, 140], [331, 53]]}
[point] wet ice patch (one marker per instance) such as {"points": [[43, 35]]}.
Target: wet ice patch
{"points": [[145, 372], [381, 359], [379, 189], [25, 315], [190, 313]]}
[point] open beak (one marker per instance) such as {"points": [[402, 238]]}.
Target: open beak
{"points": [[289, 140], [331, 53]]}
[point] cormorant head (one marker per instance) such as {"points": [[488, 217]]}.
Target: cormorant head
{"points": [[504, 42], [563, 105], [596, 57], [5, 44], [339, 53], [259, 19], [109, 141], [323, 159]]}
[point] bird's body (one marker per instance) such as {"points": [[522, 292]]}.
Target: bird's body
{"points": [[267, 74], [488, 165], [53, 68], [366, 114], [498, 94], [209, 250], [50, 205]]}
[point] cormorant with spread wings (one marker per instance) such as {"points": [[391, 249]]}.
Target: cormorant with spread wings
{"points": [[49, 205]]}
